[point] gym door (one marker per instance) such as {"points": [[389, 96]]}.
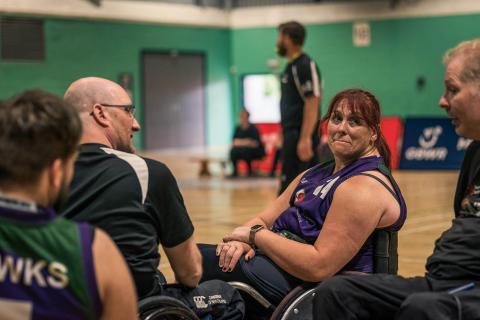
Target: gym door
{"points": [[174, 100]]}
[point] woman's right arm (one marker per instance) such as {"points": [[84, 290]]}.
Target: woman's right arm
{"points": [[229, 253]]}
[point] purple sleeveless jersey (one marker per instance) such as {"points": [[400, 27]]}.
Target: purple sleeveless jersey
{"points": [[46, 265], [313, 197]]}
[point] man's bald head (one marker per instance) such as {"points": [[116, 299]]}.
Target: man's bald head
{"points": [[106, 112], [84, 93]]}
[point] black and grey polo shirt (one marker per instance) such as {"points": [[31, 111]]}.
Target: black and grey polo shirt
{"points": [[135, 200]]}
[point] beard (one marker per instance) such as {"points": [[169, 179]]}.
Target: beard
{"points": [[127, 147], [124, 141], [281, 50], [131, 147], [62, 196]]}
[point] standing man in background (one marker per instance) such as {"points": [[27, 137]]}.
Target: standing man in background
{"points": [[299, 104]]}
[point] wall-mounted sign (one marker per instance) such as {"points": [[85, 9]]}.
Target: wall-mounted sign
{"points": [[361, 34]]}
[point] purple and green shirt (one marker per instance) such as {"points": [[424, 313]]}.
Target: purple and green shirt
{"points": [[46, 265], [313, 196]]}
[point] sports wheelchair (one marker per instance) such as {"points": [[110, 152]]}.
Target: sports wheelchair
{"points": [[297, 304]]}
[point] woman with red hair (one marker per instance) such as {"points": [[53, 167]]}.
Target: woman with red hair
{"points": [[322, 224]]}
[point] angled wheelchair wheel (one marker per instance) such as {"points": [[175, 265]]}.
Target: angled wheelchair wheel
{"points": [[256, 306], [170, 313], [297, 305], [164, 308]]}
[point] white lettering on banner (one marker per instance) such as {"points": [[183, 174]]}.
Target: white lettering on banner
{"points": [[426, 151], [430, 137], [28, 272], [414, 153]]}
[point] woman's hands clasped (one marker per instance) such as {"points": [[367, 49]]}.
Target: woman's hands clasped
{"points": [[234, 246]]}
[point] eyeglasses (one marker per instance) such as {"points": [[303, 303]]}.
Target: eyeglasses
{"points": [[130, 108]]}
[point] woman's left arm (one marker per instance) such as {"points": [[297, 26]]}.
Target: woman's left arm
{"points": [[356, 210]]}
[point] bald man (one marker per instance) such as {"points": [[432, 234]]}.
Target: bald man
{"points": [[134, 199], [137, 202]]}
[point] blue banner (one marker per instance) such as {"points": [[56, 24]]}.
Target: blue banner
{"points": [[431, 143]]}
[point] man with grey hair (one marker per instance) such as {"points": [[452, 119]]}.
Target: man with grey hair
{"points": [[454, 267]]}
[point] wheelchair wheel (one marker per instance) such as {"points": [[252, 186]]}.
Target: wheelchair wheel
{"points": [[171, 313], [297, 304], [165, 308]]}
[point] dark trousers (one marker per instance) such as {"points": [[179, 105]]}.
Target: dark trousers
{"points": [[292, 166], [441, 306], [383, 296], [246, 154], [260, 272], [276, 159]]}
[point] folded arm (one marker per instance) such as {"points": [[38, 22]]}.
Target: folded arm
{"points": [[356, 210]]}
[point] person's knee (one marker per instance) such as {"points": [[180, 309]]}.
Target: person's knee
{"points": [[328, 301], [417, 304], [332, 287]]}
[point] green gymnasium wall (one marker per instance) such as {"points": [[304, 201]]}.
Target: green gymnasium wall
{"points": [[79, 48], [400, 51]]}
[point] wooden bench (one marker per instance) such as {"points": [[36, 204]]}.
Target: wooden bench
{"points": [[204, 164]]}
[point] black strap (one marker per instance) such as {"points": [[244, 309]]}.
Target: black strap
{"points": [[382, 182], [91, 233]]}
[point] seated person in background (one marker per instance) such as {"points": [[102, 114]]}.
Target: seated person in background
{"points": [[246, 144], [329, 212], [455, 261], [51, 268], [134, 199]]}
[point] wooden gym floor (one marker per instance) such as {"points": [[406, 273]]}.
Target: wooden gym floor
{"points": [[217, 205]]}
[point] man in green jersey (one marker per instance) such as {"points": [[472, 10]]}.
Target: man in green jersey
{"points": [[51, 268]]}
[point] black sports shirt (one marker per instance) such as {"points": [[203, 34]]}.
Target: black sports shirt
{"points": [[457, 251], [300, 80], [135, 200]]}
